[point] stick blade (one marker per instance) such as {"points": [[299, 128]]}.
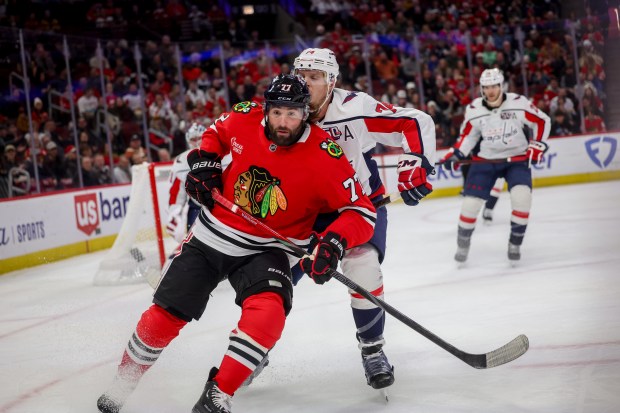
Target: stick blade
{"points": [[510, 351]]}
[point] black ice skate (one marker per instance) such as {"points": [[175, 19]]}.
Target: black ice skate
{"points": [[107, 405], [212, 399], [122, 386], [263, 363], [379, 372], [514, 252], [487, 216]]}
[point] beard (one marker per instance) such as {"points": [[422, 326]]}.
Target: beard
{"points": [[285, 136]]}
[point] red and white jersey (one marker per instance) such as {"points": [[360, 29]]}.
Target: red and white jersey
{"points": [[178, 175], [500, 130], [357, 122], [285, 187]]}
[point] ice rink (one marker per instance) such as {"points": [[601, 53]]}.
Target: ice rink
{"points": [[61, 338]]}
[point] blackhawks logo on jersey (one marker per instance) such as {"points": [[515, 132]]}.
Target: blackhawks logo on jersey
{"points": [[332, 148], [258, 193], [244, 107]]}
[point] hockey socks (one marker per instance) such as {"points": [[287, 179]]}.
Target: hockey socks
{"points": [[260, 327], [155, 330], [369, 323]]}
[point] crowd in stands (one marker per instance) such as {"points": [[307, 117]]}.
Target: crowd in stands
{"points": [[418, 52]]}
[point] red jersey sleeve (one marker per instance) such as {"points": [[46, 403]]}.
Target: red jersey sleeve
{"points": [[215, 139]]}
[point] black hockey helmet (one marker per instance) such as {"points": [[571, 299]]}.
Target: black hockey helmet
{"points": [[289, 91]]}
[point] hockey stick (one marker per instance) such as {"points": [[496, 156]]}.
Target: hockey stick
{"points": [[508, 352], [519, 158]]}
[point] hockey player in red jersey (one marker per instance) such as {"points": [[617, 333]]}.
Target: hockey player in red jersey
{"points": [[496, 121], [285, 172]]}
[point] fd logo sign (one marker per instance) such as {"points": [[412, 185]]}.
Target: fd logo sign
{"points": [[601, 150], [87, 213]]}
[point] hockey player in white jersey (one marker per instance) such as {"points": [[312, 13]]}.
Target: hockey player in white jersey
{"points": [[498, 121], [357, 122], [177, 225]]}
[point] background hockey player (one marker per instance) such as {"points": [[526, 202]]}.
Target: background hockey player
{"points": [[357, 122], [178, 225], [491, 202], [264, 143], [497, 120]]}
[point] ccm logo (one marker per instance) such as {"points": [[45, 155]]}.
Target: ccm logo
{"points": [[207, 164], [408, 164]]}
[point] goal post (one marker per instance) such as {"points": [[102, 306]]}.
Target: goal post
{"points": [[142, 245]]}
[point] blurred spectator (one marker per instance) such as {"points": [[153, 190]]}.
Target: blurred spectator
{"points": [[89, 175], [402, 99], [163, 155], [593, 123], [560, 125], [195, 94], [122, 171], [101, 170], [53, 162], [87, 106], [133, 100]]}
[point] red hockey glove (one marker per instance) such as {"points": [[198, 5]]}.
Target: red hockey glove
{"points": [[412, 171], [451, 159], [325, 256], [205, 175], [535, 151]]}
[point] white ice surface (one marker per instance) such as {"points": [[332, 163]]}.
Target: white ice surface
{"points": [[61, 337]]}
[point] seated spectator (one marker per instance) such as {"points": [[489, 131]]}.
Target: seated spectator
{"points": [[163, 155], [89, 175], [559, 124], [87, 106], [593, 123], [53, 162], [402, 99], [195, 94], [133, 100], [101, 170], [69, 177], [122, 171]]}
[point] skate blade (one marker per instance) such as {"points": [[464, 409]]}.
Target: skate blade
{"points": [[513, 263], [385, 394]]}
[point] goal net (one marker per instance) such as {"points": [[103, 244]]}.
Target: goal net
{"points": [[142, 244]]}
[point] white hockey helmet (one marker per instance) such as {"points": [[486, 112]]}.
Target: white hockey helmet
{"points": [[194, 134], [318, 59], [490, 77]]}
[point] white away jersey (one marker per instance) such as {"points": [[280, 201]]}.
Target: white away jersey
{"points": [[500, 130], [356, 121]]}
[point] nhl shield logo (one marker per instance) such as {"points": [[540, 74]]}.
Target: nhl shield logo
{"points": [[601, 150]]}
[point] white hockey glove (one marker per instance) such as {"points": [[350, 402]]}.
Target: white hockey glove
{"points": [[175, 226]]}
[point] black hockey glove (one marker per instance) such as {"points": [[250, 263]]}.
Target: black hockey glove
{"points": [[205, 174], [451, 159], [413, 170], [327, 252]]}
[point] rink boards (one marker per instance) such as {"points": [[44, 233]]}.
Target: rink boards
{"points": [[39, 229]]}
